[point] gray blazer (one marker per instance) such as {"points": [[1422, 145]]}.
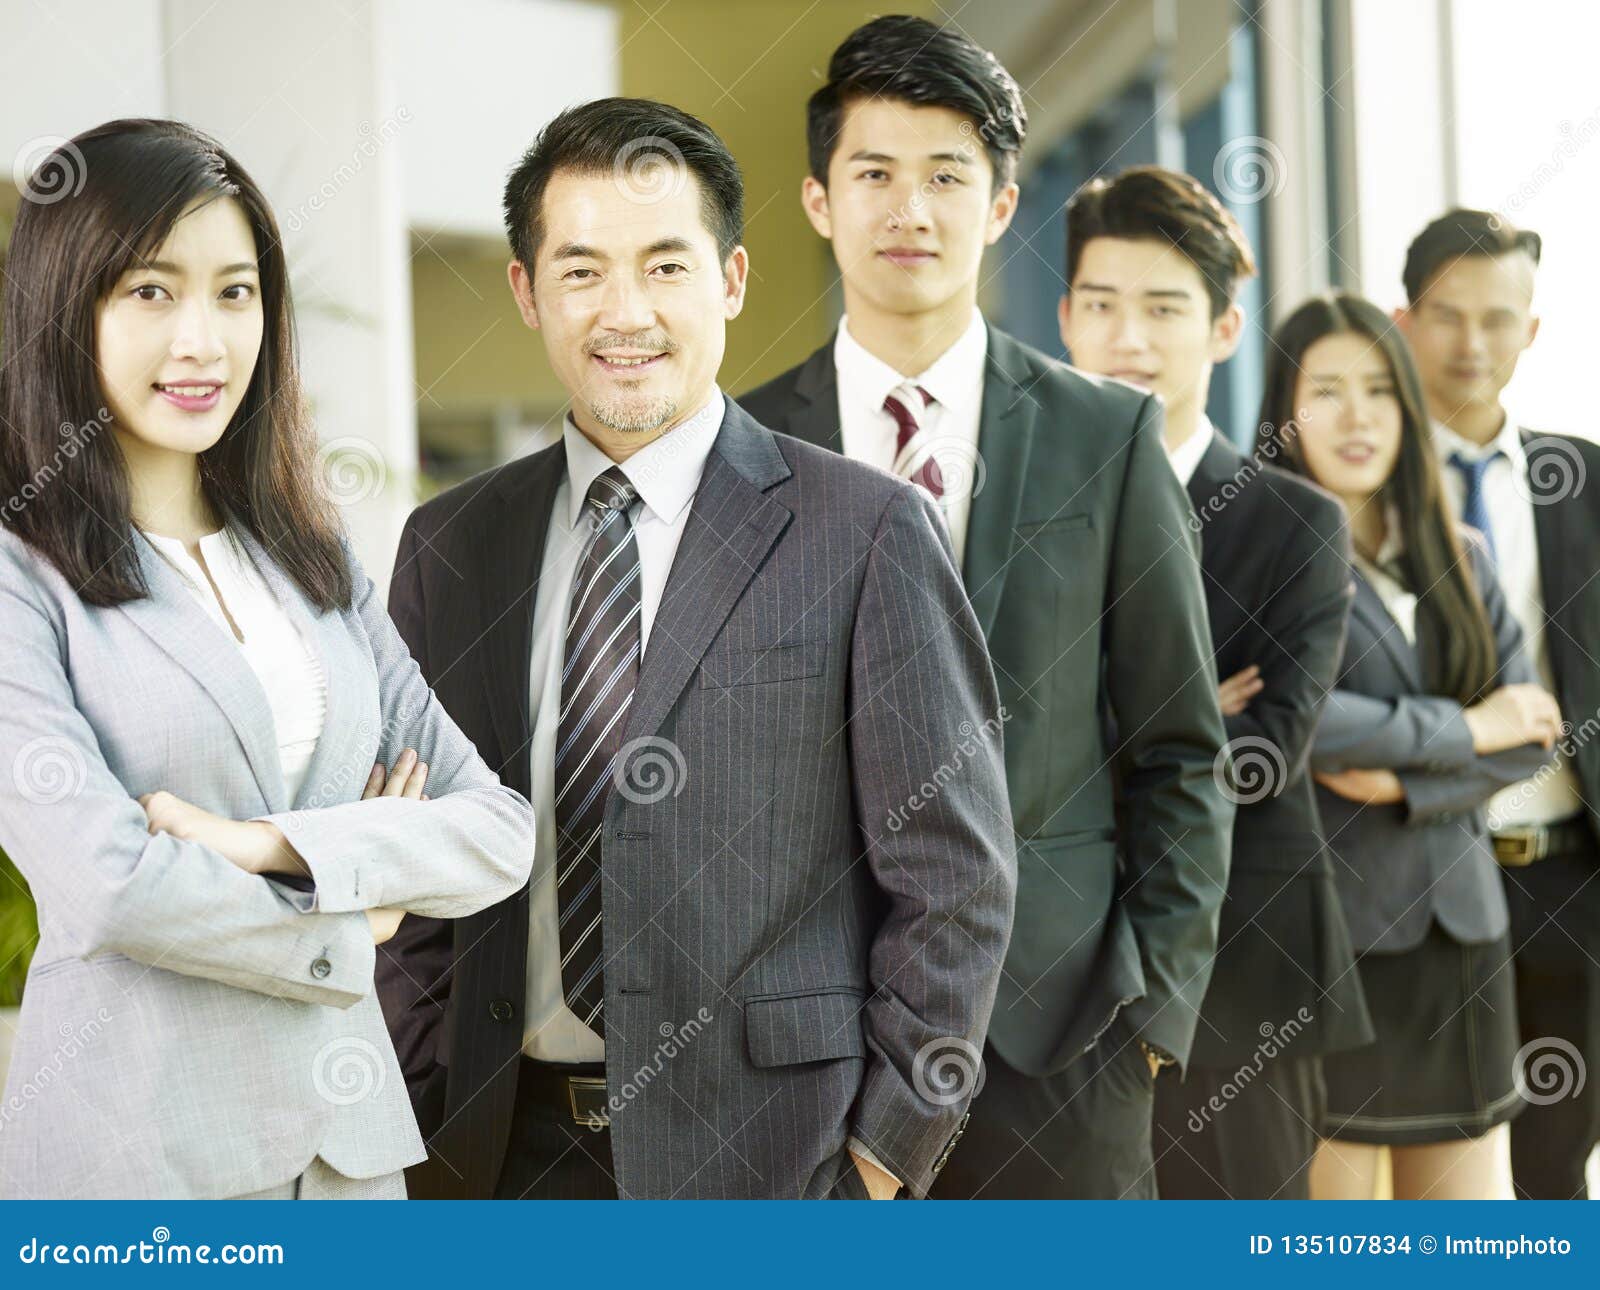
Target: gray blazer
{"points": [[807, 908], [188, 1029], [1398, 867]]}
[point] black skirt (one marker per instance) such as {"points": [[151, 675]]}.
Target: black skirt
{"points": [[1442, 1067]]}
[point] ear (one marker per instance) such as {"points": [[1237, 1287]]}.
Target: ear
{"points": [[1226, 333], [814, 201], [522, 289], [735, 275], [1002, 208], [1402, 318], [1064, 317], [1533, 331]]}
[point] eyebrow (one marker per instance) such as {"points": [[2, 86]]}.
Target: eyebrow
{"points": [[1163, 293], [580, 251], [884, 156], [167, 266]]}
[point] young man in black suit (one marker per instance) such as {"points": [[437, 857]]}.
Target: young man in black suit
{"points": [[1153, 260], [1469, 279], [1071, 534]]}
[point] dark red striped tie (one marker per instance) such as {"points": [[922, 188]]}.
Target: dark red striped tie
{"points": [[906, 403]]}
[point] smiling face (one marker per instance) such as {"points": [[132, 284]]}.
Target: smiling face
{"points": [[176, 341], [909, 207], [1348, 415], [1469, 328], [1139, 310], [633, 301]]}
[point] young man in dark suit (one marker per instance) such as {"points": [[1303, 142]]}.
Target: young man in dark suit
{"points": [[1071, 534], [1469, 279], [1153, 261]]}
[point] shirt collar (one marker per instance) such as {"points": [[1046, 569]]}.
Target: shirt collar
{"points": [[666, 472], [1185, 458], [1508, 440], [951, 379]]}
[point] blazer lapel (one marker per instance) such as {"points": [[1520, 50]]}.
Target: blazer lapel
{"points": [[732, 525], [1549, 515], [1368, 606], [186, 634], [813, 413], [513, 555], [1218, 464], [1005, 441]]}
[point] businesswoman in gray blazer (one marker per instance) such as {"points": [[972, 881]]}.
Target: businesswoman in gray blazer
{"points": [[199, 695], [1434, 711]]}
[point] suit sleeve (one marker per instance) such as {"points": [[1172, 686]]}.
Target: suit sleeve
{"points": [[468, 847], [1162, 690], [107, 883], [1432, 793], [1303, 618], [924, 709], [416, 965]]}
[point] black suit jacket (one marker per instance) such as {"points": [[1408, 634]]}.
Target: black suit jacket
{"points": [[1275, 555], [1084, 575], [818, 971], [1564, 482]]}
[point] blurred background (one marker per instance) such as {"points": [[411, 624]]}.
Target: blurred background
{"points": [[382, 131]]}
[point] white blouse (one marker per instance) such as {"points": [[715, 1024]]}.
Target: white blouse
{"points": [[285, 662]]}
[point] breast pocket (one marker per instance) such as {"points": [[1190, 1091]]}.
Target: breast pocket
{"points": [[763, 666]]}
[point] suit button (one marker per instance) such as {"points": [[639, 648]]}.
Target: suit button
{"points": [[501, 1010], [320, 968]]}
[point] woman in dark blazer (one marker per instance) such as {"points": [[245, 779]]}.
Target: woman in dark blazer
{"points": [[1435, 710]]}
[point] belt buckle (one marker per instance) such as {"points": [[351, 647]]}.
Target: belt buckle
{"points": [[1517, 847], [586, 1095]]}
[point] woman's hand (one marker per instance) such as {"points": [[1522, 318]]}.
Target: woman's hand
{"points": [[253, 845], [384, 923], [1512, 716], [407, 779], [1235, 693], [1369, 787]]}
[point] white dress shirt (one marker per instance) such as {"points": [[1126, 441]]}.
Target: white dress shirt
{"points": [[666, 474], [1554, 794], [1185, 458], [287, 665], [1397, 598], [955, 380]]}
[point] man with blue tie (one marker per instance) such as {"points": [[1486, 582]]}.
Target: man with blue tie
{"points": [[1469, 279]]}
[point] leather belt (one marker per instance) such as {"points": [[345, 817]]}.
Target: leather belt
{"points": [[1523, 844]]}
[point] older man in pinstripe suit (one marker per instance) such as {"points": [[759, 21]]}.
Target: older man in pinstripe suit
{"points": [[740, 681]]}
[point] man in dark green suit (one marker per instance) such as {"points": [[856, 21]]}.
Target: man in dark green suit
{"points": [[1075, 545]]}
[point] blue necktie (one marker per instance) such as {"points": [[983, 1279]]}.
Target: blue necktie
{"points": [[1474, 509]]}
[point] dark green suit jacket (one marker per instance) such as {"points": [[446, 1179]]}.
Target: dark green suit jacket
{"points": [[1082, 565]]}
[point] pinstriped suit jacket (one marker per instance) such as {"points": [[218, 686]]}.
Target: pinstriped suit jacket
{"points": [[827, 892], [188, 1029]]}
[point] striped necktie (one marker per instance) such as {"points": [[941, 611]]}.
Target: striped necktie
{"points": [[1474, 505], [906, 403], [597, 680]]}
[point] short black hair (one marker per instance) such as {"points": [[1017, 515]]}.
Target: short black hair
{"points": [[1156, 204], [1460, 232], [638, 141], [911, 59]]}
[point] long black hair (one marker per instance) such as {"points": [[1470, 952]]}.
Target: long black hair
{"points": [[1453, 632], [117, 191]]}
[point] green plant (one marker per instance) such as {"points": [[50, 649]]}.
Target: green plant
{"points": [[19, 932]]}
